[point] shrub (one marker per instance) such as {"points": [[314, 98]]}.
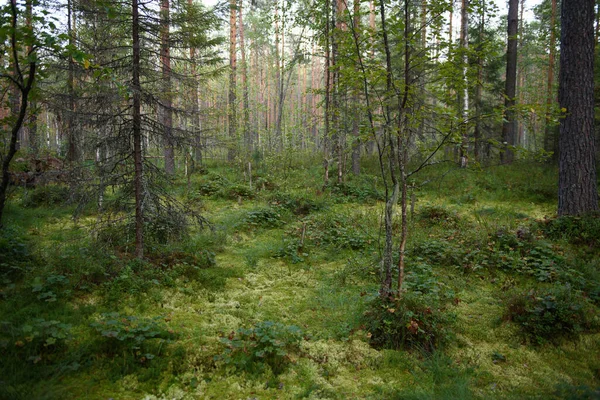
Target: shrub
{"points": [[131, 334], [412, 322], [297, 205], [581, 230], [235, 191], [264, 217], [36, 339], [550, 314], [438, 215], [266, 343], [357, 191], [48, 195]]}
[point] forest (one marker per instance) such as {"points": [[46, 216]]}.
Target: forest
{"points": [[299, 199]]}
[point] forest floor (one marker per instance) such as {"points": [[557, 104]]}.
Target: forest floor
{"points": [[275, 298]]}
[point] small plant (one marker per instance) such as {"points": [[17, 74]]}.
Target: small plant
{"points": [[47, 288], [236, 191], [438, 215], [129, 333], [297, 205], [581, 230], [36, 339], [412, 322], [265, 344], [264, 217], [551, 314], [48, 195]]}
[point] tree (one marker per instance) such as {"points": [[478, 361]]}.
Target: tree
{"points": [[577, 187], [509, 128], [17, 75], [232, 112]]}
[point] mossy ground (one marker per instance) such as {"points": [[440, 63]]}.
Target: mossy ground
{"points": [[294, 270]]}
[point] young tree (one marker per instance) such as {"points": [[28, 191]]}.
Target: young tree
{"points": [[20, 74], [509, 127], [577, 187]]}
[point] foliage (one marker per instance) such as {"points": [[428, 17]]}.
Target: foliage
{"points": [[339, 230], [438, 215], [47, 195], [298, 205], [546, 315], [580, 230], [355, 191], [266, 217], [37, 339], [132, 334], [267, 343], [418, 322]]}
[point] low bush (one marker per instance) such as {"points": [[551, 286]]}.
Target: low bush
{"points": [[580, 230], [420, 322], [298, 205], [266, 217], [551, 314], [265, 344], [48, 195], [136, 336], [36, 340], [438, 215]]}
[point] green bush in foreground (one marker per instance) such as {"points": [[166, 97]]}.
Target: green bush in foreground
{"points": [[548, 315], [412, 322], [267, 343]]}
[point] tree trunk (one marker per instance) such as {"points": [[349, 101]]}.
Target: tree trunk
{"points": [[196, 128], [246, 100], [550, 137], [509, 126], [464, 97], [232, 114], [166, 111], [356, 143], [72, 155], [137, 133], [24, 86], [577, 191]]}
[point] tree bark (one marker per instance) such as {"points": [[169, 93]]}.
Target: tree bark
{"points": [[24, 86], [137, 133], [464, 96], [509, 126], [550, 142], [577, 190], [166, 118], [232, 114], [246, 100]]}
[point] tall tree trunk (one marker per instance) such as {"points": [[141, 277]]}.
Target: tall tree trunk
{"points": [[356, 143], [166, 110], [137, 133], [509, 127], [33, 112], [24, 84], [478, 88], [464, 96], [72, 155], [577, 190], [550, 136], [196, 127], [327, 112], [246, 99], [232, 112], [340, 133]]}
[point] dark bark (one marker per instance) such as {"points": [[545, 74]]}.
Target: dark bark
{"points": [[232, 114], [166, 110], [248, 136], [509, 128], [550, 137], [24, 86], [137, 133], [577, 190]]}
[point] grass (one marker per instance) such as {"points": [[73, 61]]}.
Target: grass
{"points": [[296, 254]]}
